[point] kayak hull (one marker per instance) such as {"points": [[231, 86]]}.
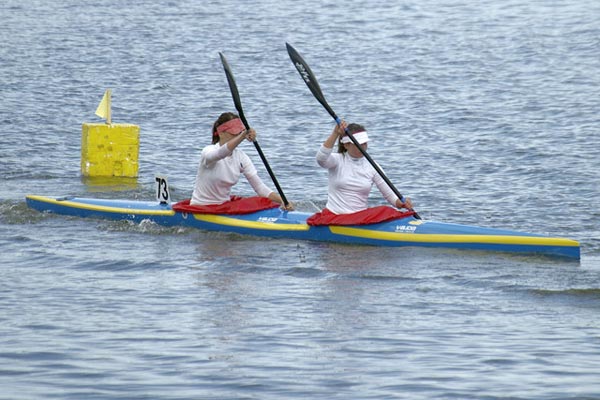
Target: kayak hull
{"points": [[276, 223]]}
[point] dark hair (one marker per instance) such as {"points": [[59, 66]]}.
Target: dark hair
{"points": [[352, 128], [226, 116]]}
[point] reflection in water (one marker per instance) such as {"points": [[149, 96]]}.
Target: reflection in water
{"points": [[109, 183], [235, 272], [333, 280]]}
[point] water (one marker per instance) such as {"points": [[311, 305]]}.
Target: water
{"points": [[483, 113]]}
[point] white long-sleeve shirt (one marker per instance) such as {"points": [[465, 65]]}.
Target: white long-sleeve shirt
{"points": [[219, 169], [350, 182]]}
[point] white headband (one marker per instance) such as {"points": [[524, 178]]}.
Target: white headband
{"points": [[361, 137]]}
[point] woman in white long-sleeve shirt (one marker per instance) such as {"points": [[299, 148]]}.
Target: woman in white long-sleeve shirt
{"points": [[222, 163], [351, 176]]}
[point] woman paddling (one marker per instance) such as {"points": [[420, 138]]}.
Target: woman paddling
{"points": [[222, 163], [351, 178]]}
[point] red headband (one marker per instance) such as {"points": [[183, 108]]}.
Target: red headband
{"points": [[233, 127]]}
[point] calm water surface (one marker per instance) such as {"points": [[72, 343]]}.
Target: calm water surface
{"points": [[483, 113]]}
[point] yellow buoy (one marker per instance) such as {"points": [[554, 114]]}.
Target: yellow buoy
{"points": [[109, 149]]}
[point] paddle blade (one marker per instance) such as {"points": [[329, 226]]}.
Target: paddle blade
{"points": [[234, 90], [309, 78]]}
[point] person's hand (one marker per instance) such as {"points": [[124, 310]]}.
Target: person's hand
{"points": [[340, 129], [277, 199], [251, 134], [289, 207], [407, 203]]}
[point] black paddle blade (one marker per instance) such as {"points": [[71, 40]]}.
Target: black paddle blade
{"points": [[309, 78], [234, 90]]}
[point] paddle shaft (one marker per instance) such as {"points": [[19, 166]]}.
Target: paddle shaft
{"points": [[311, 81], [238, 106]]}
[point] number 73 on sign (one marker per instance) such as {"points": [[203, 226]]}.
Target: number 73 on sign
{"points": [[162, 189]]}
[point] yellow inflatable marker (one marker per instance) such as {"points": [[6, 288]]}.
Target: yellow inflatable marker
{"points": [[109, 149]]}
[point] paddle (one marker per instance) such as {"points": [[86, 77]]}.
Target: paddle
{"points": [[311, 81], [238, 106]]}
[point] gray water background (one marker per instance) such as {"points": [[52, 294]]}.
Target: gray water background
{"points": [[484, 113]]}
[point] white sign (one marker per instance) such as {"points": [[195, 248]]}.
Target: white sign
{"points": [[162, 189]]}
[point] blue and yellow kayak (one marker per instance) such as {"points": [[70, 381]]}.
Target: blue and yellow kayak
{"points": [[283, 224]]}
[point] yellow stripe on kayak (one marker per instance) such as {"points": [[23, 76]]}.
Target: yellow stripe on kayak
{"points": [[441, 238], [95, 207], [218, 219]]}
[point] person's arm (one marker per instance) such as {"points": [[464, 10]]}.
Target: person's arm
{"points": [[324, 153], [338, 131], [263, 190], [249, 134], [389, 194], [277, 199], [212, 154], [258, 185]]}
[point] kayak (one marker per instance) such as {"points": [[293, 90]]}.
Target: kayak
{"points": [[277, 223]]}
